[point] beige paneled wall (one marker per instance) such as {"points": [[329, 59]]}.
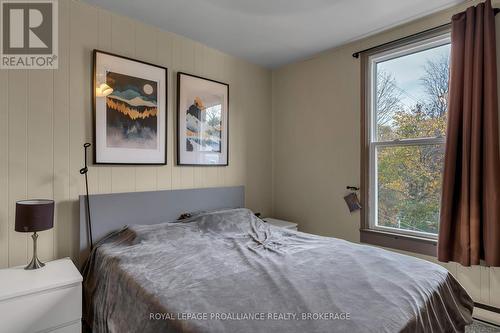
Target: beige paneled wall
{"points": [[46, 116], [316, 145]]}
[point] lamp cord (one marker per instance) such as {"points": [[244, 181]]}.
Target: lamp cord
{"points": [[83, 171]]}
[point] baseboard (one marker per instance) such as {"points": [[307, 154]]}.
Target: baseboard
{"points": [[487, 307], [490, 324], [486, 313]]}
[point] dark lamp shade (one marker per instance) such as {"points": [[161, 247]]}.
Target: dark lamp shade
{"points": [[34, 215]]}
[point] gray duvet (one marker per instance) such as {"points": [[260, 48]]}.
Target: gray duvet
{"points": [[228, 271]]}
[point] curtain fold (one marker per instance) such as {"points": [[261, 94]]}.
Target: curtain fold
{"points": [[470, 207]]}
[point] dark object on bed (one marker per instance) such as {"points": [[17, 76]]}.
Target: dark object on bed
{"points": [[184, 216], [230, 263]]}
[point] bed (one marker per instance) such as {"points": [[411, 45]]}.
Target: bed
{"points": [[226, 270]]}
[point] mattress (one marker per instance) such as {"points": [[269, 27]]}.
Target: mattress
{"points": [[228, 271]]}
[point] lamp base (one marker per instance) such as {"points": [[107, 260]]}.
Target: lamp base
{"points": [[35, 263]]}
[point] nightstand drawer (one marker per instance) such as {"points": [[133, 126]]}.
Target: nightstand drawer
{"points": [[52, 309], [72, 328]]}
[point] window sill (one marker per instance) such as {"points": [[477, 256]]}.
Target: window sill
{"points": [[399, 242]]}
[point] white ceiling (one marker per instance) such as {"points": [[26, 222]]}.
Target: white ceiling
{"points": [[272, 33]]}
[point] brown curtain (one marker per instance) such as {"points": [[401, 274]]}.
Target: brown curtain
{"points": [[470, 206]]}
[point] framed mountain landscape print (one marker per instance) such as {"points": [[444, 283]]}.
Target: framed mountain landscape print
{"points": [[202, 121], [130, 111]]}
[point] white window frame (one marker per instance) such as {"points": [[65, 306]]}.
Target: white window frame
{"points": [[374, 144]]}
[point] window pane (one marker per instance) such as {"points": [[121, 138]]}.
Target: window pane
{"points": [[411, 93], [409, 187]]}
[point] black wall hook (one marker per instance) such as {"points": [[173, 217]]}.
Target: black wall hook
{"points": [[352, 188], [85, 168]]}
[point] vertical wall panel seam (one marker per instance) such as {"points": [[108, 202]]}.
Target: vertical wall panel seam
{"points": [[136, 168], [135, 57], [97, 170], [111, 17], [192, 70], [53, 153], [173, 109], [166, 111], [69, 106], [8, 169], [274, 163], [54, 230], [27, 145]]}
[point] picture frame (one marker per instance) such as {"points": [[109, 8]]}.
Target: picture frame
{"points": [[202, 121], [130, 110]]}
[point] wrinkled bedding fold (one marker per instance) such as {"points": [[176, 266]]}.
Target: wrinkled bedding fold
{"points": [[219, 271]]}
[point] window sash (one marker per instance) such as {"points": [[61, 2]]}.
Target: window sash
{"points": [[373, 192], [402, 51], [374, 143]]}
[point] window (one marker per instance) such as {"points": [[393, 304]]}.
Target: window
{"points": [[404, 126]]}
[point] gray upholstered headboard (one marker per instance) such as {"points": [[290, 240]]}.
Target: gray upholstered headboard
{"points": [[111, 212]]}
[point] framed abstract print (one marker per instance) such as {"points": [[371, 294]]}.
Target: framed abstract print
{"points": [[130, 111], [202, 121]]}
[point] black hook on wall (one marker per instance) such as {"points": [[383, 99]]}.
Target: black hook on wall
{"points": [[85, 169], [352, 188]]}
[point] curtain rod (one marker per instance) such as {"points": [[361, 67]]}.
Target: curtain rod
{"points": [[356, 54]]}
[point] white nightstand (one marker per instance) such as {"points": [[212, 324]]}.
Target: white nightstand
{"points": [[281, 223], [48, 299]]}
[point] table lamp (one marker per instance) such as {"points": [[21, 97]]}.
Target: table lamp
{"points": [[32, 216]]}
